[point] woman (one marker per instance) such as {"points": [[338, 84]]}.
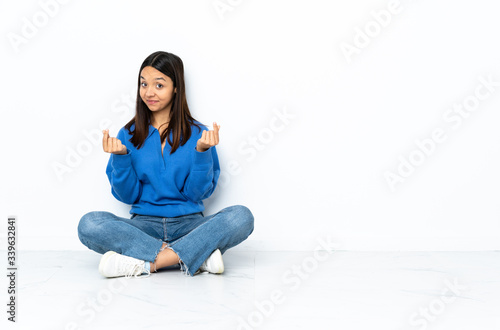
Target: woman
{"points": [[163, 163]]}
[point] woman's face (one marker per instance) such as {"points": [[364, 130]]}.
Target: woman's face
{"points": [[156, 90]]}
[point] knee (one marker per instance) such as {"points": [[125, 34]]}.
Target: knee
{"points": [[244, 218], [89, 224]]}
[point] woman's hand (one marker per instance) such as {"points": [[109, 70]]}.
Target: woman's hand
{"points": [[112, 145], [208, 139]]}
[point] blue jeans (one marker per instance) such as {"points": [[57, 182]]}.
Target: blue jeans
{"points": [[192, 237]]}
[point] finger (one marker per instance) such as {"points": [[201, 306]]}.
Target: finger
{"points": [[110, 144], [203, 136], [105, 136], [216, 133], [119, 145], [211, 138], [116, 145]]}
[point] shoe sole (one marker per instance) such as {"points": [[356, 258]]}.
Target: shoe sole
{"points": [[103, 261]]}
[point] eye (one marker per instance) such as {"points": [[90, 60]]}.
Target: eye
{"points": [[159, 86], [143, 84]]}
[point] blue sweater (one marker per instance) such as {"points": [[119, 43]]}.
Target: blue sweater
{"points": [[165, 186]]}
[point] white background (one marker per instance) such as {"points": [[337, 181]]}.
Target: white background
{"points": [[318, 173]]}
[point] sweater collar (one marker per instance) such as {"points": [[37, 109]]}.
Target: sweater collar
{"points": [[151, 130]]}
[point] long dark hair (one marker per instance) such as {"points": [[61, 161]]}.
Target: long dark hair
{"points": [[179, 127]]}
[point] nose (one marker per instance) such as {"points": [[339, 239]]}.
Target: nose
{"points": [[149, 91]]}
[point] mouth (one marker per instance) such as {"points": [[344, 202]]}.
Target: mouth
{"points": [[151, 102]]}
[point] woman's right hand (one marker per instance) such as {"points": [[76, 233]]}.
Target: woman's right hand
{"points": [[112, 145]]}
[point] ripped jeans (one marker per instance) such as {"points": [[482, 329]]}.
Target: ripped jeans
{"points": [[192, 237]]}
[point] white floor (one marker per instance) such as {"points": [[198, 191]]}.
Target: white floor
{"points": [[265, 290]]}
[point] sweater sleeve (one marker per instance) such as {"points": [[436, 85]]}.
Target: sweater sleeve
{"points": [[125, 185], [202, 179]]}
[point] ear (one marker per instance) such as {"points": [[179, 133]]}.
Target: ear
{"points": [[175, 90]]}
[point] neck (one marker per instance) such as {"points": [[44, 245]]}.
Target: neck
{"points": [[160, 118]]}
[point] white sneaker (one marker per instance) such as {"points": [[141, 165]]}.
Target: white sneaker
{"points": [[115, 265], [214, 264]]}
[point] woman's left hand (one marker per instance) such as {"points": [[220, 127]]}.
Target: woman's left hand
{"points": [[208, 139]]}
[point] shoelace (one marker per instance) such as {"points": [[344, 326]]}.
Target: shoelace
{"points": [[135, 269], [132, 273]]}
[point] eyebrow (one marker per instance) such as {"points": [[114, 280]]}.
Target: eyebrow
{"points": [[160, 78]]}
